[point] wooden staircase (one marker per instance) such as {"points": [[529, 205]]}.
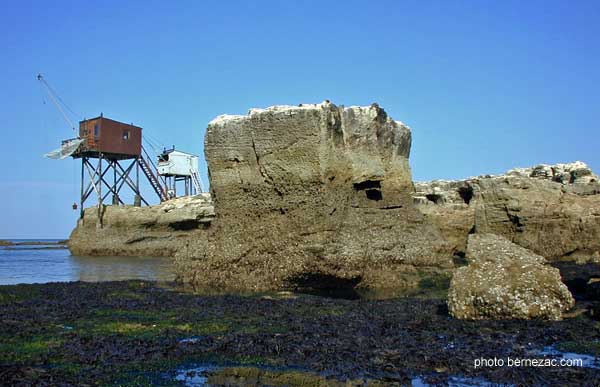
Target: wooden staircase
{"points": [[196, 181], [151, 173]]}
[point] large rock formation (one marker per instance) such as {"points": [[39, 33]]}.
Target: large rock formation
{"points": [[322, 196], [156, 231], [506, 281], [313, 195], [551, 210]]}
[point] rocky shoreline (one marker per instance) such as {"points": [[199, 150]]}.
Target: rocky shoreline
{"points": [[139, 333], [321, 196]]}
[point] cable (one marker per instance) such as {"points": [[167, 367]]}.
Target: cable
{"points": [[60, 99], [56, 99], [155, 141], [151, 145]]}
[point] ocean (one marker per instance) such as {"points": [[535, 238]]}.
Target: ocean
{"points": [[45, 260]]}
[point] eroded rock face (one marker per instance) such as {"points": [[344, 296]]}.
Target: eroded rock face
{"points": [[449, 205], [553, 210], [159, 230], [506, 281], [308, 192]]}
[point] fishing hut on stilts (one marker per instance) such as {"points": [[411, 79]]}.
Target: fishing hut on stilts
{"points": [[113, 159], [114, 148]]}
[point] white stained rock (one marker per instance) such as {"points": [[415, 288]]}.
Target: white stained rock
{"points": [[566, 173]]}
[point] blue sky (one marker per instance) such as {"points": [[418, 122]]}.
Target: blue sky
{"points": [[484, 85]]}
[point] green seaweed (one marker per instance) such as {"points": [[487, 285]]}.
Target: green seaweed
{"points": [[128, 334], [17, 293], [27, 349]]}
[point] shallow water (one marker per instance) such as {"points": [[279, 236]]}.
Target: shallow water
{"points": [[194, 377], [585, 360], [48, 263]]}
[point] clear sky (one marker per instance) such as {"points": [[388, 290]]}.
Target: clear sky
{"points": [[484, 85]]}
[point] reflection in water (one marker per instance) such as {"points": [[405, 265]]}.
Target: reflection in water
{"points": [[98, 269], [40, 265]]}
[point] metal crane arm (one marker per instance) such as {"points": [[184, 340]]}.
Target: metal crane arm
{"points": [[55, 100]]}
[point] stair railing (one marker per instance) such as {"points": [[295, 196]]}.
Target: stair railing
{"points": [[154, 177]]}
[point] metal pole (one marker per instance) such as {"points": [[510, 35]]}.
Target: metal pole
{"points": [[100, 180], [99, 216], [81, 200], [115, 192], [137, 201], [51, 94]]}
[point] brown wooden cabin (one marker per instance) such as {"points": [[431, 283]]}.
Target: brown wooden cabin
{"points": [[114, 139]]}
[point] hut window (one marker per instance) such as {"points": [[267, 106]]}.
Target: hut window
{"points": [[96, 130], [126, 135]]}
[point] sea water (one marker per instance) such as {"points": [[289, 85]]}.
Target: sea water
{"points": [[46, 261]]}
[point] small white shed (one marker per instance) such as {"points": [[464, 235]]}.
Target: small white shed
{"points": [[176, 163]]}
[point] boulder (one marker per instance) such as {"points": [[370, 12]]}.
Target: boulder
{"points": [[506, 281], [317, 194]]}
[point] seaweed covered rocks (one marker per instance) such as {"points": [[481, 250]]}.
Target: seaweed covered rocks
{"points": [[506, 281]]}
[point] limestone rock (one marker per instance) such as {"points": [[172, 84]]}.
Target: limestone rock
{"points": [[447, 204], [312, 191], [569, 173], [321, 194], [553, 210], [506, 281], [159, 230]]}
